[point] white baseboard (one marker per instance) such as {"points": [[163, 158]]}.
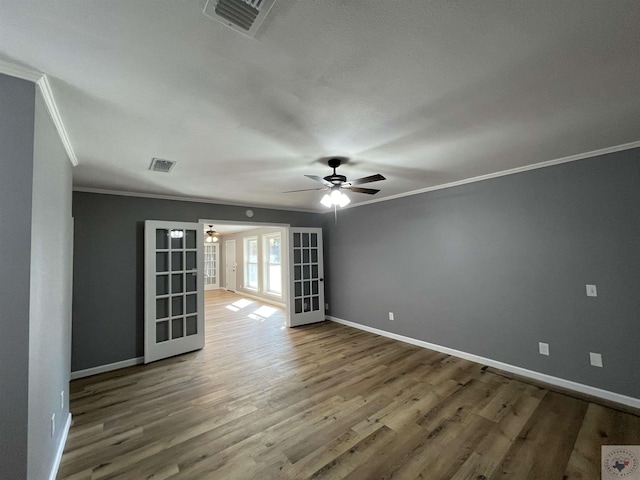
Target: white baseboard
{"points": [[106, 368], [60, 450], [541, 377]]}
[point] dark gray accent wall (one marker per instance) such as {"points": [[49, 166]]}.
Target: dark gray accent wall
{"points": [[50, 306], [494, 267], [16, 154], [108, 286]]}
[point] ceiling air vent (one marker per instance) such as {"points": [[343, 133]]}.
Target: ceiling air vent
{"points": [[245, 16], [159, 165]]}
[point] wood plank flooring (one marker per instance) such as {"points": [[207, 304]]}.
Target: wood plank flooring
{"points": [[326, 402]]}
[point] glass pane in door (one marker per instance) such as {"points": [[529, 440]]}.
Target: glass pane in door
{"points": [[162, 284], [162, 239], [162, 331], [192, 325], [305, 272]]}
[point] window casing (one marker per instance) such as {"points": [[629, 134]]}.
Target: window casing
{"points": [[251, 263], [272, 252]]}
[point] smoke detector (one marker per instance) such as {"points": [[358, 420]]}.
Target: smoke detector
{"points": [[159, 165], [244, 16]]}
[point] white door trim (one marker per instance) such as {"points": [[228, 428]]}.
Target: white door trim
{"points": [[230, 266]]}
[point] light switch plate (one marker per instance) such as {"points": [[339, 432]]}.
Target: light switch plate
{"points": [[543, 348], [391, 316], [596, 359], [591, 291]]}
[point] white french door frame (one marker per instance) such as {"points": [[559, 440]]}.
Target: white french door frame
{"points": [[305, 277], [174, 289]]}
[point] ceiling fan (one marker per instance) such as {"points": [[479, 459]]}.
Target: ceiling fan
{"points": [[336, 182], [211, 235]]}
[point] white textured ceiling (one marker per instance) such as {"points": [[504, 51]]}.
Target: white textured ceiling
{"points": [[423, 92]]}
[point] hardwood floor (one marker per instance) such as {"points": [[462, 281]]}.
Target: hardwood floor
{"points": [[326, 402]]}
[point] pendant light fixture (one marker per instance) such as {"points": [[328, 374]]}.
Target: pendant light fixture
{"points": [[212, 235]]}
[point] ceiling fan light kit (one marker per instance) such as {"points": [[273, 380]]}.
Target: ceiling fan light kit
{"points": [[212, 235], [336, 198], [335, 183]]}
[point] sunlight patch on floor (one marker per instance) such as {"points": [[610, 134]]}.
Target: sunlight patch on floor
{"points": [[262, 313], [239, 305], [265, 311]]}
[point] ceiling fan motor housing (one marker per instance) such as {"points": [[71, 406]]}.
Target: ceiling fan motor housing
{"points": [[336, 179]]}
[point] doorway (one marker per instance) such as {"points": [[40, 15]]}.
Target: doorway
{"points": [[273, 263], [230, 265]]}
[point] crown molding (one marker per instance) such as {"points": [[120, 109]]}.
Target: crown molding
{"points": [[157, 196], [19, 71], [42, 81], [47, 94], [504, 173]]}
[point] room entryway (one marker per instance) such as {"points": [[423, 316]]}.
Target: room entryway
{"points": [[231, 265], [276, 264]]}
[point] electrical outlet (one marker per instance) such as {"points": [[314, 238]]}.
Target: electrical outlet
{"points": [[595, 359], [543, 348], [591, 291], [391, 316], [53, 425], [326, 306]]}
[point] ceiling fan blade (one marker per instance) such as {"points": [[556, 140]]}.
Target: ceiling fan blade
{"points": [[305, 190], [370, 191], [371, 178], [320, 179]]}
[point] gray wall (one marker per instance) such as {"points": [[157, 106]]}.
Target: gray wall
{"points": [[494, 267], [50, 307], [16, 154], [108, 286]]}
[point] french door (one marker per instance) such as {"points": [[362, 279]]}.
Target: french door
{"points": [[174, 289], [211, 256], [306, 276]]}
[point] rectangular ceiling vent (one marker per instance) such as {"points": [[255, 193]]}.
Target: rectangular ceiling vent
{"points": [[159, 165], [245, 16]]}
